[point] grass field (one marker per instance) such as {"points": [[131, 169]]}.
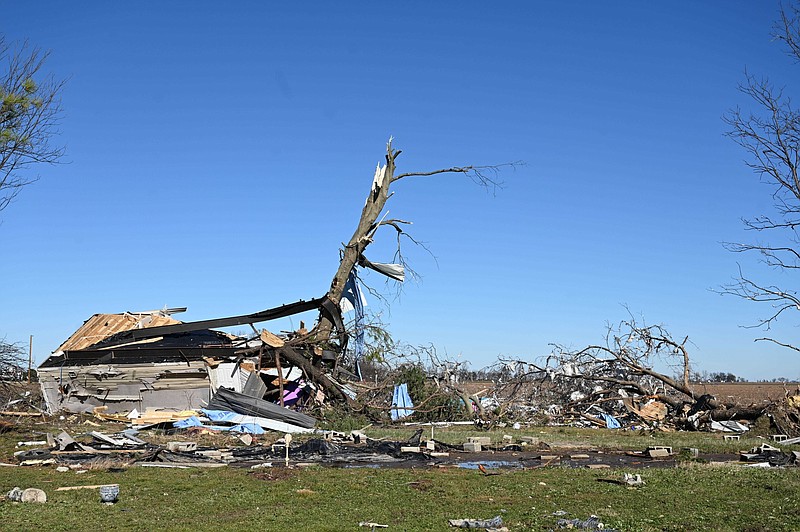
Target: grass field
{"points": [[692, 496]]}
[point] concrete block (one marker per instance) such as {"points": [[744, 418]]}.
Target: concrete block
{"points": [[657, 453], [430, 445], [731, 437], [657, 447], [472, 447], [779, 437], [483, 440], [210, 454], [530, 440], [181, 446]]}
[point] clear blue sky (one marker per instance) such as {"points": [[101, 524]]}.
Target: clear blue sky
{"points": [[217, 156]]}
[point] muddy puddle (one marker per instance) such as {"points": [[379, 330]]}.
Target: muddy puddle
{"points": [[385, 454], [488, 461]]}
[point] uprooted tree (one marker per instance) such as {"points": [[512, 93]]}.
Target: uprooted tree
{"points": [[621, 370], [770, 135]]}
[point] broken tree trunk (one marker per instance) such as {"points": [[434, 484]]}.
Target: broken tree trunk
{"points": [[369, 223], [362, 237], [330, 388]]}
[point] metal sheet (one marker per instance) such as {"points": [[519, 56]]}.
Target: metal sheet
{"points": [[231, 401]]}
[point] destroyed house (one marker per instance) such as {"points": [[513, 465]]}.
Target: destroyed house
{"points": [[149, 360]]}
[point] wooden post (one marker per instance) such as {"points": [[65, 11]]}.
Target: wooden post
{"points": [[280, 376]]}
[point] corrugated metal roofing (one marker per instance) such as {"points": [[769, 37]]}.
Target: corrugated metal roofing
{"points": [[101, 326]]}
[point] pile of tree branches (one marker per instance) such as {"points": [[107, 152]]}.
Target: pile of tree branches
{"points": [[636, 366]]}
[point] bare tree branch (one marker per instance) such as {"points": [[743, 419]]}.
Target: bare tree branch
{"points": [[779, 343], [624, 365], [12, 360], [770, 135]]}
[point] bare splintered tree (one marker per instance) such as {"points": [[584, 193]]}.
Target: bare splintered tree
{"points": [[30, 110], [623, 365], [370, 222], [771, 137]]}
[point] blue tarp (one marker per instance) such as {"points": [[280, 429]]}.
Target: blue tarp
{"points": [[611, 421], [402, 406], [193, 421], [352, 292], [248, 428], [219, 416]]}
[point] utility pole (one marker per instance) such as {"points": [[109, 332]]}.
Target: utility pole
{"points": [[30, 358]]}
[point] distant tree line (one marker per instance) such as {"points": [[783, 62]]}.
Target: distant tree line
{"points": [[722, 376]]}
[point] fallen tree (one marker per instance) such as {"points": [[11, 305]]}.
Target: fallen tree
{"points": [[619, 375]]}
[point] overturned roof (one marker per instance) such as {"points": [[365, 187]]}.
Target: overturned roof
{"points": [[155, 337], [102, 326]]}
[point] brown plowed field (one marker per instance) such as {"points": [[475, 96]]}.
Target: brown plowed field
{"points": [[747, 392]]}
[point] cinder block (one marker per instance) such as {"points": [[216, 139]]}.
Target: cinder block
{"points": [[657, 453], [210, 454], [664, 447], [483, 440], [181, 446], [472, 447]]}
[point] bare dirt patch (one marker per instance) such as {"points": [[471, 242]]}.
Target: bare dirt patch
{"points": [[746, 393]]}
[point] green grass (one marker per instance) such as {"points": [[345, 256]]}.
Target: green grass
{"points": [[686, 498], [690, 497]]}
